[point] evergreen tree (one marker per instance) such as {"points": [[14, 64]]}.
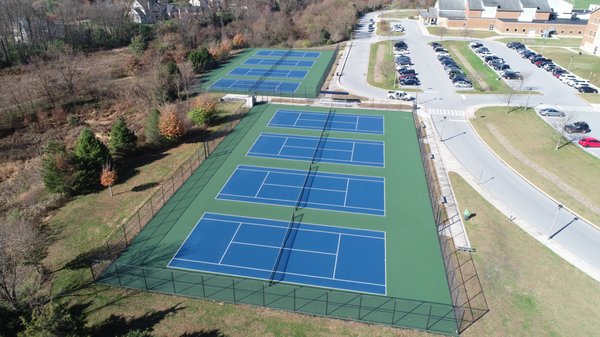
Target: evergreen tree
{"points": [[57, 168], [51, 320], [201, 59], [122, 139], [90, 154], [151, 131]]}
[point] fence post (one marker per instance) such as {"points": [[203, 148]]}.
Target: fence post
{"points": [[294, 299], [394, 313], [125, 235], [233, 288], [118, 276], [203, 289], [263, 294], [173, 280], [151, 207], [144, 276], [138, 218], [327, 303], [162, 191], [359, 307]]}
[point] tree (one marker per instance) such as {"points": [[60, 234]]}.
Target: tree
{"points": [[90, 154], [122, 139], [108, 177], [58, 168], [170, 126], [204, 111], [166, 89], [238, 41], [324, 36], [442, 31], [201, 59], [138, 333], [151, 131], [51, 320], [138, 45]]}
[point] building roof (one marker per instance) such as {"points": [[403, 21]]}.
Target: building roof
{"points": [[553, 22], [451, 5], [504, 5], [541, 5], [475, 4], [456, 15], [432, 12]]}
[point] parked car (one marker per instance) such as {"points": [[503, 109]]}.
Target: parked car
{"points": [[589, 142], [587, 90], [407, 71], [499, 67], [577, 127], [463, 84], [551, 112], [410, 82], [510, 75], [514, 45], [475, 45], [401, 95], [435, 45]]}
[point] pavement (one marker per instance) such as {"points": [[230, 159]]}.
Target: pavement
{"points": [[461, 150]]}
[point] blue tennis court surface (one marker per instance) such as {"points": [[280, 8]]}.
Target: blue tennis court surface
{"points": [[251, 85], [258, 72], [325, 191], [324, 256], [257, 61], [316, 121], [332, 150], [280, 53]]}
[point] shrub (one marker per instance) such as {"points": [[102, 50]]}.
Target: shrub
{"points": [[138, 45], [204, 112]]}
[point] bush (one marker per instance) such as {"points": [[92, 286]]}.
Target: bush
{"points": [[138, 45], [166, 90], [122, 140], [204, 112], [201, 59], [52, 320]]}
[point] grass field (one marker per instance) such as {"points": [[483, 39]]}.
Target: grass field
{"points": [[476, 69], [585, 66], [530, 290], [399, 14], [583, 4], [591, 98], [309, 86], [388, 62], [383, 29], [471, 33], [545, 167], [557, 42]]}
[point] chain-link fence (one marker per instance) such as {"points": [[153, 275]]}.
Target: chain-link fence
{"points": [[463, 281]]}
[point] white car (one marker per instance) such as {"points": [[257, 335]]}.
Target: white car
{"points": [[401, 95], [567, 78], [463, 84]]}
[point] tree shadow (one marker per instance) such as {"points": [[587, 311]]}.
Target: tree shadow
{"points": [[204, 333], [117, 325], [145, 186]]}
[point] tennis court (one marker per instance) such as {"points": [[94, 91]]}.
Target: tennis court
{"points": [[259, 61], [279, 53], [250, 85], [276, 73], [297, 119], [333, 150], [334, 257], [325, 191]]}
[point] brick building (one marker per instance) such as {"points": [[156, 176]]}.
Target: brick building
{"points": [[528, 17], [591, 36]]}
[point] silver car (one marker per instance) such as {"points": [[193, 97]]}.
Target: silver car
{"points": [[551, 112]]}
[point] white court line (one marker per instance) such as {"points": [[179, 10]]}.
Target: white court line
{"points": [[326, 160], [293, 202], [261, 185], [306, 147], [287, 273], [299, 229], [312, 188], [385, 259], [346, 193], [323, 174], [280, 149], [230, 241], [186, 238], [337, 252], [276, 247], [352, 156]]}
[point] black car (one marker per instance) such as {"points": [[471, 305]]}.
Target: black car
{"points": [[514, 45], [588, 90], [435, 45], [410, 82], [577, 127], [511, 75], [501, 66], [407, 72], [446, 62], [459, 78], [490, 57]]}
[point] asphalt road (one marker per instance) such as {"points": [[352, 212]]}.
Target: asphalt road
{"points": [[439, 98]]}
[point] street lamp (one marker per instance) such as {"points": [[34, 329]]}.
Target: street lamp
{"points": [[570, 62], [528, 94], [443, 126], [554, 222]]}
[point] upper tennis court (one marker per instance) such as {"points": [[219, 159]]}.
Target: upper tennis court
{"points": [[298, 119]]}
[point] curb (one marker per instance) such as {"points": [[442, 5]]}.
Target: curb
{"points": [[588, 222]]}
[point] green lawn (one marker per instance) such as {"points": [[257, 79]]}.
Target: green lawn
{"points": [[575, 187], [583, 4], [478, 71], [530, 290], [471, 33], [557, 42], [591, 98], [388, 61], [585, 66]]}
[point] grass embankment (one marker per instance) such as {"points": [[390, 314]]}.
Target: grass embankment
{"points": [[384, 29], [530, 290], [583, 4], [569, 174], [84, 222], [470, 33], [381, 63], [405, 14], [553, 42], [485, 80]]}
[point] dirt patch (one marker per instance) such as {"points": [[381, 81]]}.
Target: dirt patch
{"points": [[470, 69], [378, 76], [542, 171]]}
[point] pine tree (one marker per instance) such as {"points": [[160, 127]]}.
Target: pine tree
{"points": [[58, 168], [151, 131], [122, 139], [90, 154], [51, 320], [170, 125]]}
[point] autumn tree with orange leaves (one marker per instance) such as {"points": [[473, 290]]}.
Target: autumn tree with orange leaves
{"points": [[170, 126], [108, 177]]}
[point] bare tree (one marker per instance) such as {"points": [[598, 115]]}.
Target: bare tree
{"points": [[509, 96], [442, 31], [185, 80], [563, 137], [387, 69]]}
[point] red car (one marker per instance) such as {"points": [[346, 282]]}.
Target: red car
{"points": [[589, 142]]}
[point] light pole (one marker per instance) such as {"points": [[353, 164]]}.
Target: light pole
{"points": [[570, 62], [528, 94], [554, 222], [443, 126]]}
